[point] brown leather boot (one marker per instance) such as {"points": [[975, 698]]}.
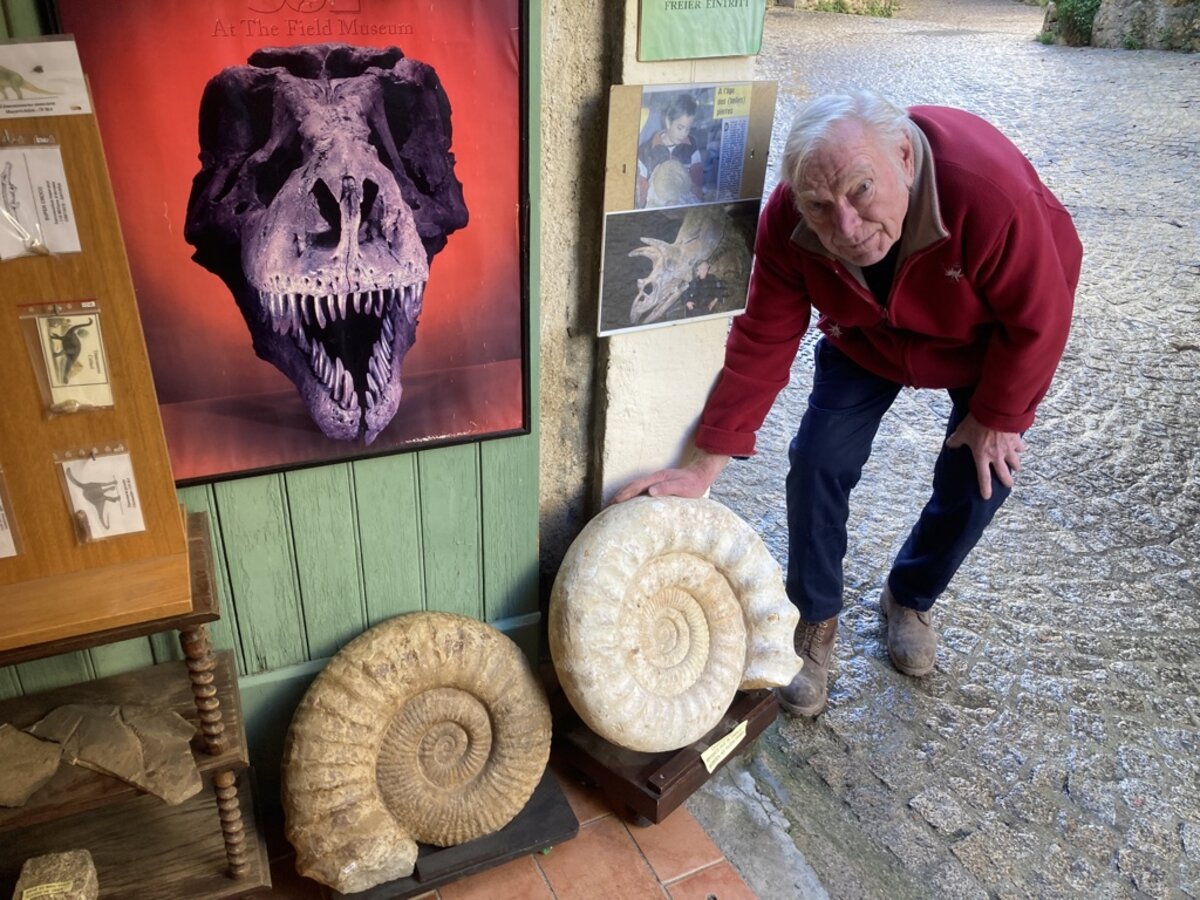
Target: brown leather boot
{"points": [[808, 691], [911, 640]]}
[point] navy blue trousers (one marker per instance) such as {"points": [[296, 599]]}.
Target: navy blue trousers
{"points": [[827, 456]]}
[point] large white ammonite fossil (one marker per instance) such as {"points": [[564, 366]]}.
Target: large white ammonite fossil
{"points": [[430, 728], [663, 608]]}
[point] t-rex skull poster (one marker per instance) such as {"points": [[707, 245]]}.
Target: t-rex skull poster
{"points": [[321, 203]]}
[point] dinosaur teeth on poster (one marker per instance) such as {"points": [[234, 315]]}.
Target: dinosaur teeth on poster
{"points": [[102, 495]]}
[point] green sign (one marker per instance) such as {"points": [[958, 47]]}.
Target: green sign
{"points": [[690, 29]]}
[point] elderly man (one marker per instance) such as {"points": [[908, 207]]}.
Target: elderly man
{"points": [[936, 258]]}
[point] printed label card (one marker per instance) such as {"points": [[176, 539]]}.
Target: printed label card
{"points": [[103, 495], [36, 215], [41, 77], [8, 543], [76, 366]]}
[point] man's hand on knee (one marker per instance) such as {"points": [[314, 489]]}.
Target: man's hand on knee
{"points": [[998, 451]]}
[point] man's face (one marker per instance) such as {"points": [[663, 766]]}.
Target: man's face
{"points": [[853, 193], [678, 129]]}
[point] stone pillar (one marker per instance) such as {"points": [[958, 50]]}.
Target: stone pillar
{"points": [[651, 385]]}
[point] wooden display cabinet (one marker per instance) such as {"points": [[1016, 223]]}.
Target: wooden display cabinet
{"points": [[58, 586], [206, 847]]}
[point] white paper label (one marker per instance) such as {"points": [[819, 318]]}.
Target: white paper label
{"points": [[42, 78], [103, 495], [715, 755], [8, 545], [35, 209], [76, 367]]}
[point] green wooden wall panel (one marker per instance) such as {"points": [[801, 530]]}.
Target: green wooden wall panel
{"points": [[54, 671], [9, 685], [223, 632], [510, 527], [450, 528], [389, 534], [22, 15], [262, 571], [325, 532], [124, 656]]}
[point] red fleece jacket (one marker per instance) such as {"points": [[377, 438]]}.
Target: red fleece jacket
{"points": [[982, 295]]}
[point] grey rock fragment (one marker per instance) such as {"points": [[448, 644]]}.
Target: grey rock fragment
{"points": [[61, 876]]}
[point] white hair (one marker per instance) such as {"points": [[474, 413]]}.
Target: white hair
{"points": [[812, 126]]}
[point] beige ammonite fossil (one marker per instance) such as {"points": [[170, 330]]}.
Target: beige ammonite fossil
{"points": [[430, 728], [663, 608]]}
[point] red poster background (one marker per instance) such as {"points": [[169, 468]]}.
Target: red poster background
{"points": [[226, 411]]}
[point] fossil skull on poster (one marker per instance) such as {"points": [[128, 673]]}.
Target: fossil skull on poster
{"points": [[326, 188]]}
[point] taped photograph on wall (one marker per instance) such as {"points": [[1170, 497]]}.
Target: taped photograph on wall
{"points": [[684, 180], [321, 203], [664, 266]]}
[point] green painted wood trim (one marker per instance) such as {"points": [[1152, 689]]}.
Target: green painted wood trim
{"points": [[450, 525], [224, 632], [324, 527], [22, 15], [389, 535], [534, 182], [256, 533]]}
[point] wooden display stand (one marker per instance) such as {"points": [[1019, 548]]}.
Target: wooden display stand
{"points": [[650, 786], [208, 846], [546, 820], [57, 586]]}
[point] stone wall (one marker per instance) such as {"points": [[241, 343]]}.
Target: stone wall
{"points": [[580, 39], [1148, 24]]}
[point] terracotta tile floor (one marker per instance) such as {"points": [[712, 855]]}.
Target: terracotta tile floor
{"points": [[610, 858]]}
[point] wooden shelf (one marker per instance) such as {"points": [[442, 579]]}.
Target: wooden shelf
{"points": [[204, 607], [57, 587], [144, 848], [74, 789]]}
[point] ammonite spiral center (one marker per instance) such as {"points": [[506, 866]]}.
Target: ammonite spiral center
{"points": [[674, 623], [442, 737]]}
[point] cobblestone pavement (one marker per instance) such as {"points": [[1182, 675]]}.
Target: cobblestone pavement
{"points": [[1054, 751]]}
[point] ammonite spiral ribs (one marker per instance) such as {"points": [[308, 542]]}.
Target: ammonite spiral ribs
{"points": [[662, 610], [430, 727]]}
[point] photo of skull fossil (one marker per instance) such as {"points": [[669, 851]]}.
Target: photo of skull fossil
{"points": [[323, 206], [327, 186], [670, 265]]}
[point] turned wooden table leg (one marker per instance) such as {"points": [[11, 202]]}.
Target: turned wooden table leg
{"points": [[201, 665], [232, 830]]}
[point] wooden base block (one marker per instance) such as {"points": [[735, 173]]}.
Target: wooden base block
{"points": [[652, 785], [546, 820], [144, 848]]}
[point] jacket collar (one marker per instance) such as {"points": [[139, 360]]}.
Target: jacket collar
{"points": [[923, 224]]}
